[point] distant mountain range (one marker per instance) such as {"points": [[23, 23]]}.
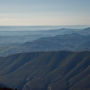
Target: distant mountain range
{"points": [[70, 40], [61, 70], [10, 37]]}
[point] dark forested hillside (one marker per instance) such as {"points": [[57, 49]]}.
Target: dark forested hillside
{"points": [[62, 70]]}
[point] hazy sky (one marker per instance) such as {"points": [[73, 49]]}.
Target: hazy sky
{"points": [[44, 12]]}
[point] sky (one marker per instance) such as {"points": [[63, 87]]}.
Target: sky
{"points": [[44, 12]]}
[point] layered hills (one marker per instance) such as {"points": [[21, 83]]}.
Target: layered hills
{"points": [[45, 60], [67, 40]]}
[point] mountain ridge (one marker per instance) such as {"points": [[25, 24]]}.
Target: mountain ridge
{"points": [[59, 70]]}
